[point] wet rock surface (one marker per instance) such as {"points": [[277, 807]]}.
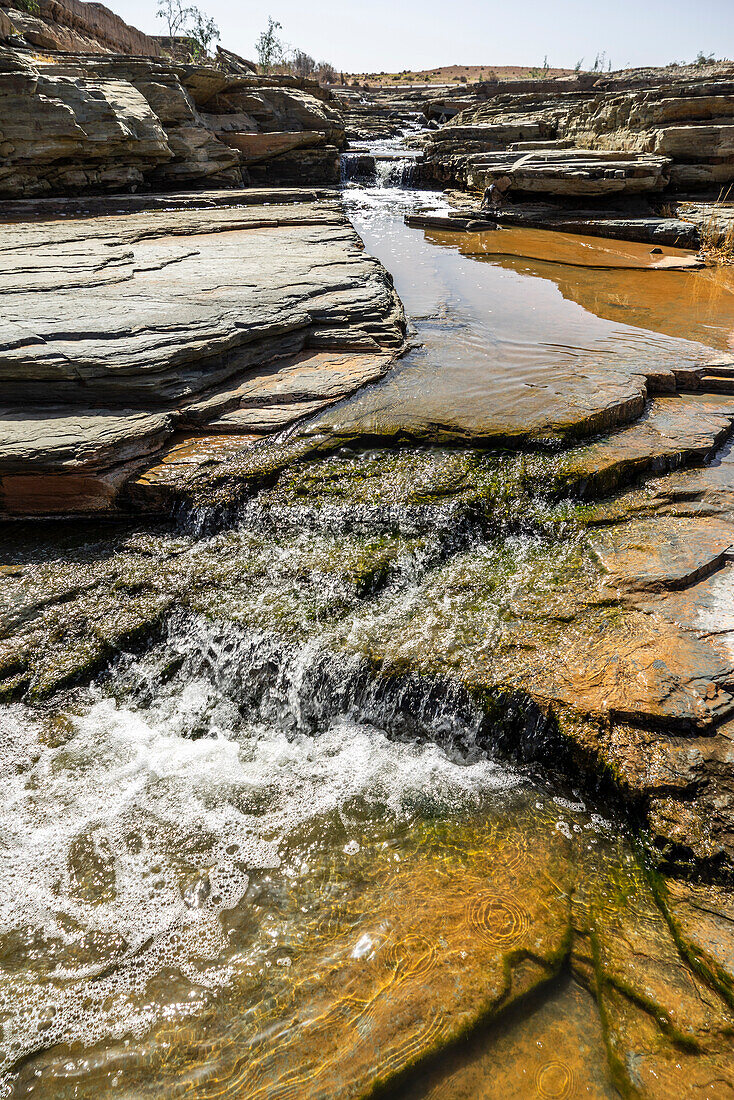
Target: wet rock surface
{"points": [[369, 590], [393, 750], [629, 223]]}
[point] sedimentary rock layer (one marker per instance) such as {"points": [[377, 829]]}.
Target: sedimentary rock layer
{"points": [[116, 330], [78, 123], [676, 125], [72, 26]]}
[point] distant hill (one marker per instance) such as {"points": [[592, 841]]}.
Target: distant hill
{"points": [[457, 74]]}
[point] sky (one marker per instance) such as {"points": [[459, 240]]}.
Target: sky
{"points": [[392, 35]]}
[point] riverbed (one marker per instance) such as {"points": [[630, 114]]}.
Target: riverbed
{"points": [[289, 846]]}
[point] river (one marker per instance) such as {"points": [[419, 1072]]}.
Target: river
{"points": [[244, 862]]}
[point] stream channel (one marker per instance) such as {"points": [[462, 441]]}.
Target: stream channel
{"points": [[242, 862]]}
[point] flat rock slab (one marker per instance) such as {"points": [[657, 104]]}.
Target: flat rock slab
{"points": [[656, 231], [290, 389], [62, 460], [664, 552], [671, 232], [23, 210], [113, 327], [135, 334], [671, 430], [649, 230], [571, 172]]}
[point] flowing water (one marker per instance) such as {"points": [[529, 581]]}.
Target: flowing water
{"points": [[243, 863]]}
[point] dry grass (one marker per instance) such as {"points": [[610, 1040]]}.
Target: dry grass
{"points": [[455, 74], [718, 244]]}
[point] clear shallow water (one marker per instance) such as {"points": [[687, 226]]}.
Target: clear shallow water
{"points": [[241, 865], [508, 341], [199, 858]]}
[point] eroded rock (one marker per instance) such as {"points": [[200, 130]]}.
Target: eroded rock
{"points": [[124, 334]]}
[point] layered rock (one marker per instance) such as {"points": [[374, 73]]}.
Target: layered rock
{"points": [[378, 112], [104, 351], [679, 120], [81, 123], [73, 26]]}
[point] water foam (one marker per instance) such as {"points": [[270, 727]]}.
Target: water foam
{"points": [[132, 823]]}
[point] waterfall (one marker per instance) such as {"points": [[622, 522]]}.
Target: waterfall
{"points": [[357, 168], [397, 173]]}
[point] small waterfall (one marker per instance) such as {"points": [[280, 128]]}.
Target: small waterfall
{"points": [[402, 172], [357, 168], [379, 170], [298, 689]]}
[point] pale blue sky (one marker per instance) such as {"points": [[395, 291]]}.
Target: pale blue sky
{"points": [[421, 34]]}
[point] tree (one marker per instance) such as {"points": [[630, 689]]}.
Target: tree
{"points": [[326, 72], [202, 30], [269, 47], [303, 64], [175, 15]]}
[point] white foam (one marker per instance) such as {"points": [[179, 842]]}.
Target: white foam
{"points": [[104, 835]]}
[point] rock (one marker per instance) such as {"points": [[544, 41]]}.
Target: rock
{"points": [[702, 922], [233, 63], [46, 149], [671, 430], [71, 26], [668, 1033], [259, 147], [714, 221], [83, 123], [378, 113], [676, 124], [123, 353], [650, 555], [278, 395], [569, 172], [277, 110], [24, 210], [635, 225]]}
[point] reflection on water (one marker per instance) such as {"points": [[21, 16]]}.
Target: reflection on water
{"points": [[569, 249], [245, 865], [506, 342], [696, 305]]}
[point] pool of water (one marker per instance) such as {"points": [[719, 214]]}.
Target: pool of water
{"points": [[523, 329]]}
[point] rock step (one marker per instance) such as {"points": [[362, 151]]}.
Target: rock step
{"points": [[717, 383], [673, 431]]}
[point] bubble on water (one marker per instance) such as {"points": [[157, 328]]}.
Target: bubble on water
{"points": [[125, 844], [569, 804]]}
